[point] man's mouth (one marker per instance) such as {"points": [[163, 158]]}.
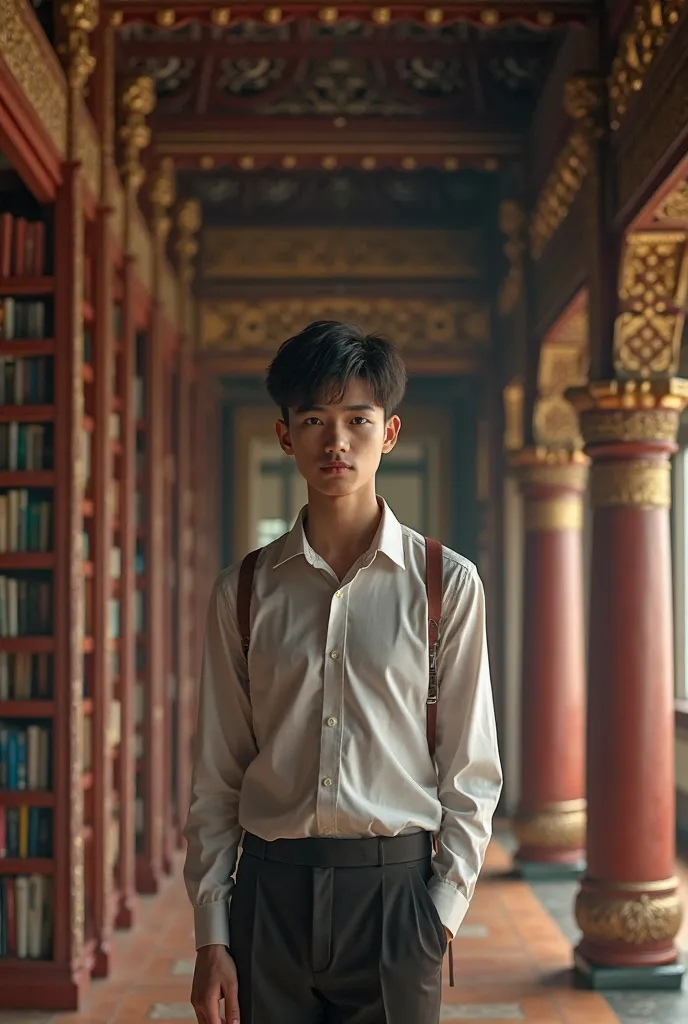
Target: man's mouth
{"points": [[335, 467]]}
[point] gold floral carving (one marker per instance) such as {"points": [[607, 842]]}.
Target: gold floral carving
{"points": [[583, 103], [342, 252], [652, 294], [653, 22], [674, 206], [80, 18], [639, 425], [512, 224], [632, 483], [451, 329], [35, 69], [137, 102], [561, 825], [555, 421], [636, 920]]}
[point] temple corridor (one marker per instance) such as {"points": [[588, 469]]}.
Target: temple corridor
{"points": [[512, 961]]}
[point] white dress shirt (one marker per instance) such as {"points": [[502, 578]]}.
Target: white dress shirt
{"points": [[332, 740]]}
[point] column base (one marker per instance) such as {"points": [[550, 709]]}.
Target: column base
{"points": [[664, 977], [540, 871]]}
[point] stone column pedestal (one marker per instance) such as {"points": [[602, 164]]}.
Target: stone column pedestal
{"points": [[550, 821], [628, 907]]}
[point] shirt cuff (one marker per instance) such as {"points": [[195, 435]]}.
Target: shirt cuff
{"points": [[451, 905], [211, 924]]}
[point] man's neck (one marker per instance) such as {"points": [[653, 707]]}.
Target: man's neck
{"points": [[340, 530]]}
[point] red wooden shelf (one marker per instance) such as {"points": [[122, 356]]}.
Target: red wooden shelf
{"points": [[88, 424], [87, 373], [87, 705], [88, 644], [27, 644], [87, 508], [87, 780], [27, 708], [26, 797], [27, 478], [87, 308], [116, 447], [24, 866], [27, 347], [88, 570], [27, 560], [26, 285], [116, 403], [27, 413]]}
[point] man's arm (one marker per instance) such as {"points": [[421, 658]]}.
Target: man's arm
{"points": [[469, 771], [224, 746]]}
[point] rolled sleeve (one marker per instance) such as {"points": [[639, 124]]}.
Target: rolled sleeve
{"points": [[211, 923]]}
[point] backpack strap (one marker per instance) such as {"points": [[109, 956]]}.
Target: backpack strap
{"points": [[433, 586], [244, 591]]}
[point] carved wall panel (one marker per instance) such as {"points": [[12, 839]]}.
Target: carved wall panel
{"points": [[347, 252], [652, 295], [450, 330]]}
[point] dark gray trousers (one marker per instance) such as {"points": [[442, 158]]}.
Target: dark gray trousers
{"points": [[322, 942]]}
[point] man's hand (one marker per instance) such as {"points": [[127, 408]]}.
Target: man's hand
{"points": [[215, 978]]}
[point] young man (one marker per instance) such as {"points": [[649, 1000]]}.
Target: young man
{"points": [[314, 731]]}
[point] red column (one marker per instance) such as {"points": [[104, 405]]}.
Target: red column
{"points": [[628, 907], [550, 822]]}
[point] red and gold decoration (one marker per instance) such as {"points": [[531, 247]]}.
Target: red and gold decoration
{"points": [[628, 906]]}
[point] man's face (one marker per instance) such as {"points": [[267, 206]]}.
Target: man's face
{"points": [[338, 447]]}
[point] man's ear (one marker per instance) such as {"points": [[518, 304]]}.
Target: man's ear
{"points": [[392, 428], [284, 437]]}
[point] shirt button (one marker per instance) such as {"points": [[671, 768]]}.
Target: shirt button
{"points": [[338, 594], [334, 655], [327, 782], [331, 722]]}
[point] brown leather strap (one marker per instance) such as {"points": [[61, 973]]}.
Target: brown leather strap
{"points": [[433, 586], [245, 588]]}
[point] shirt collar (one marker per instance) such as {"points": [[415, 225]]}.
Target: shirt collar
{"points": [[388, 540]]}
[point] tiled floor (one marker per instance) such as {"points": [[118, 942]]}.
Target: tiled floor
{"points": [[512, 962]]}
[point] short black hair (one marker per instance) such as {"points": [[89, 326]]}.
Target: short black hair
{"points": [[317, 365]]}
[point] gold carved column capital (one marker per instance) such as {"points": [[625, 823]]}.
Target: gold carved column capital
{"points": [[630, 429], [553, 484]]}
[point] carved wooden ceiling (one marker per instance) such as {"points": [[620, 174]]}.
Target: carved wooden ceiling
{"points": [[327, 87]]}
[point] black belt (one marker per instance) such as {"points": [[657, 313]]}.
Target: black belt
{"points": [[341, 853]]}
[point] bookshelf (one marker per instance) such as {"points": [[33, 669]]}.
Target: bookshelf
{"points": [[45, 573]]}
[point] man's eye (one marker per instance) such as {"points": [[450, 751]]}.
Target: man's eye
{"points": [[360, 419]]}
